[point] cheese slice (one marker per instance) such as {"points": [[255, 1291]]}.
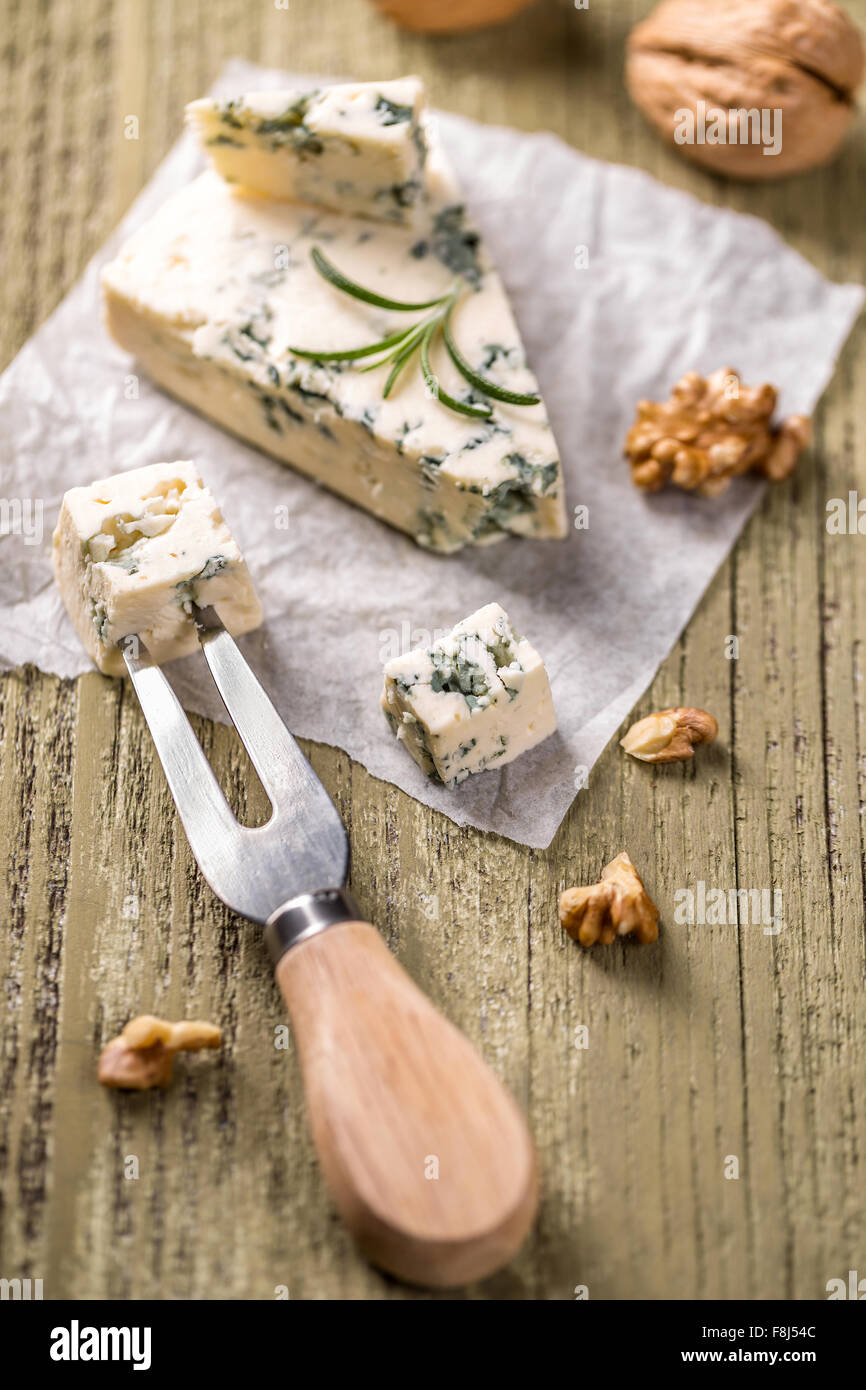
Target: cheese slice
{"points": [[475, 699], [215, 291], [357, 148], [133, 553]]}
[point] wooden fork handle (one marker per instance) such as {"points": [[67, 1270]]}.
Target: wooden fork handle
{"points": [[426, 1154]]}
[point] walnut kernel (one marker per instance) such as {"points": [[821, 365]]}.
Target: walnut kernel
{"points": [[143, 1055], [668, 735], [618, 905], [711, 430]]}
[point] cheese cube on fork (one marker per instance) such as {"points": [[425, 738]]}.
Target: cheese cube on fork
{"points": [[133, 553]]}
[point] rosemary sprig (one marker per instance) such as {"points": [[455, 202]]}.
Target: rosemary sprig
{"points": [[399, 347]]}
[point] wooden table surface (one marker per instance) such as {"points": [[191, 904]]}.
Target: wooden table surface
{"points": [[720, 1041]]}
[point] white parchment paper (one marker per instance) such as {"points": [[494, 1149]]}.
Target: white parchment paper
{"points": [[671, 284]]}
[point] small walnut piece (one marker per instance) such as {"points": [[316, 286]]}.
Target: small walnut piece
{"points": [[143, 1055], [669, 735], [710, 431], [752, 89], [618, 905], [137, 1069]]}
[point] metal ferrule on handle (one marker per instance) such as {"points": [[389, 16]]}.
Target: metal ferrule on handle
{"points": [[306, 916]]}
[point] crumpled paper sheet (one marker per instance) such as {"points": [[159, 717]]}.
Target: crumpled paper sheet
{"points": [[671, 284]]}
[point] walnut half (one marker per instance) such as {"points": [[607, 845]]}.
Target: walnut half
{"points": [[143, 1055], [710, 431], [618, 905], [668, 736]]}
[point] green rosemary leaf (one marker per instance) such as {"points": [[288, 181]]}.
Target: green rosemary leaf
{"points": [[475, 412], [395, 371], [342, 282], [353, 353], [380, 362], [481, 383], [409, 339], [401, 357]]}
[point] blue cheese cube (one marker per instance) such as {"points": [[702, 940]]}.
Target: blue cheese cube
{"points": [[133, 553], [475, 699], [359, 148]]}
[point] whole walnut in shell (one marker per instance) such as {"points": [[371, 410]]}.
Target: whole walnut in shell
{"points": [[450, 16], [748, 59]]}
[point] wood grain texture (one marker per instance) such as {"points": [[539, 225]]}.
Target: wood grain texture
{"points": [[719, 1041], [425, 1153]]}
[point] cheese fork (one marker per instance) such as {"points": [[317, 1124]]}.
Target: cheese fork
{"points": [[426, 1155]]}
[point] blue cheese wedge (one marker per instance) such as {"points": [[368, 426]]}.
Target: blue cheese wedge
{"points": [[358, 148], [211, 294], [214, 291], [133, 553], [475, 699]]}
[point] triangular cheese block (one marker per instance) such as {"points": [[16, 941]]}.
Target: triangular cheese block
{"points": [[214, 292]]}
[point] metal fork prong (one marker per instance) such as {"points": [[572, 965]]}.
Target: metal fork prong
{"points": [[210, 826], [284, 771], [304, 847]]}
